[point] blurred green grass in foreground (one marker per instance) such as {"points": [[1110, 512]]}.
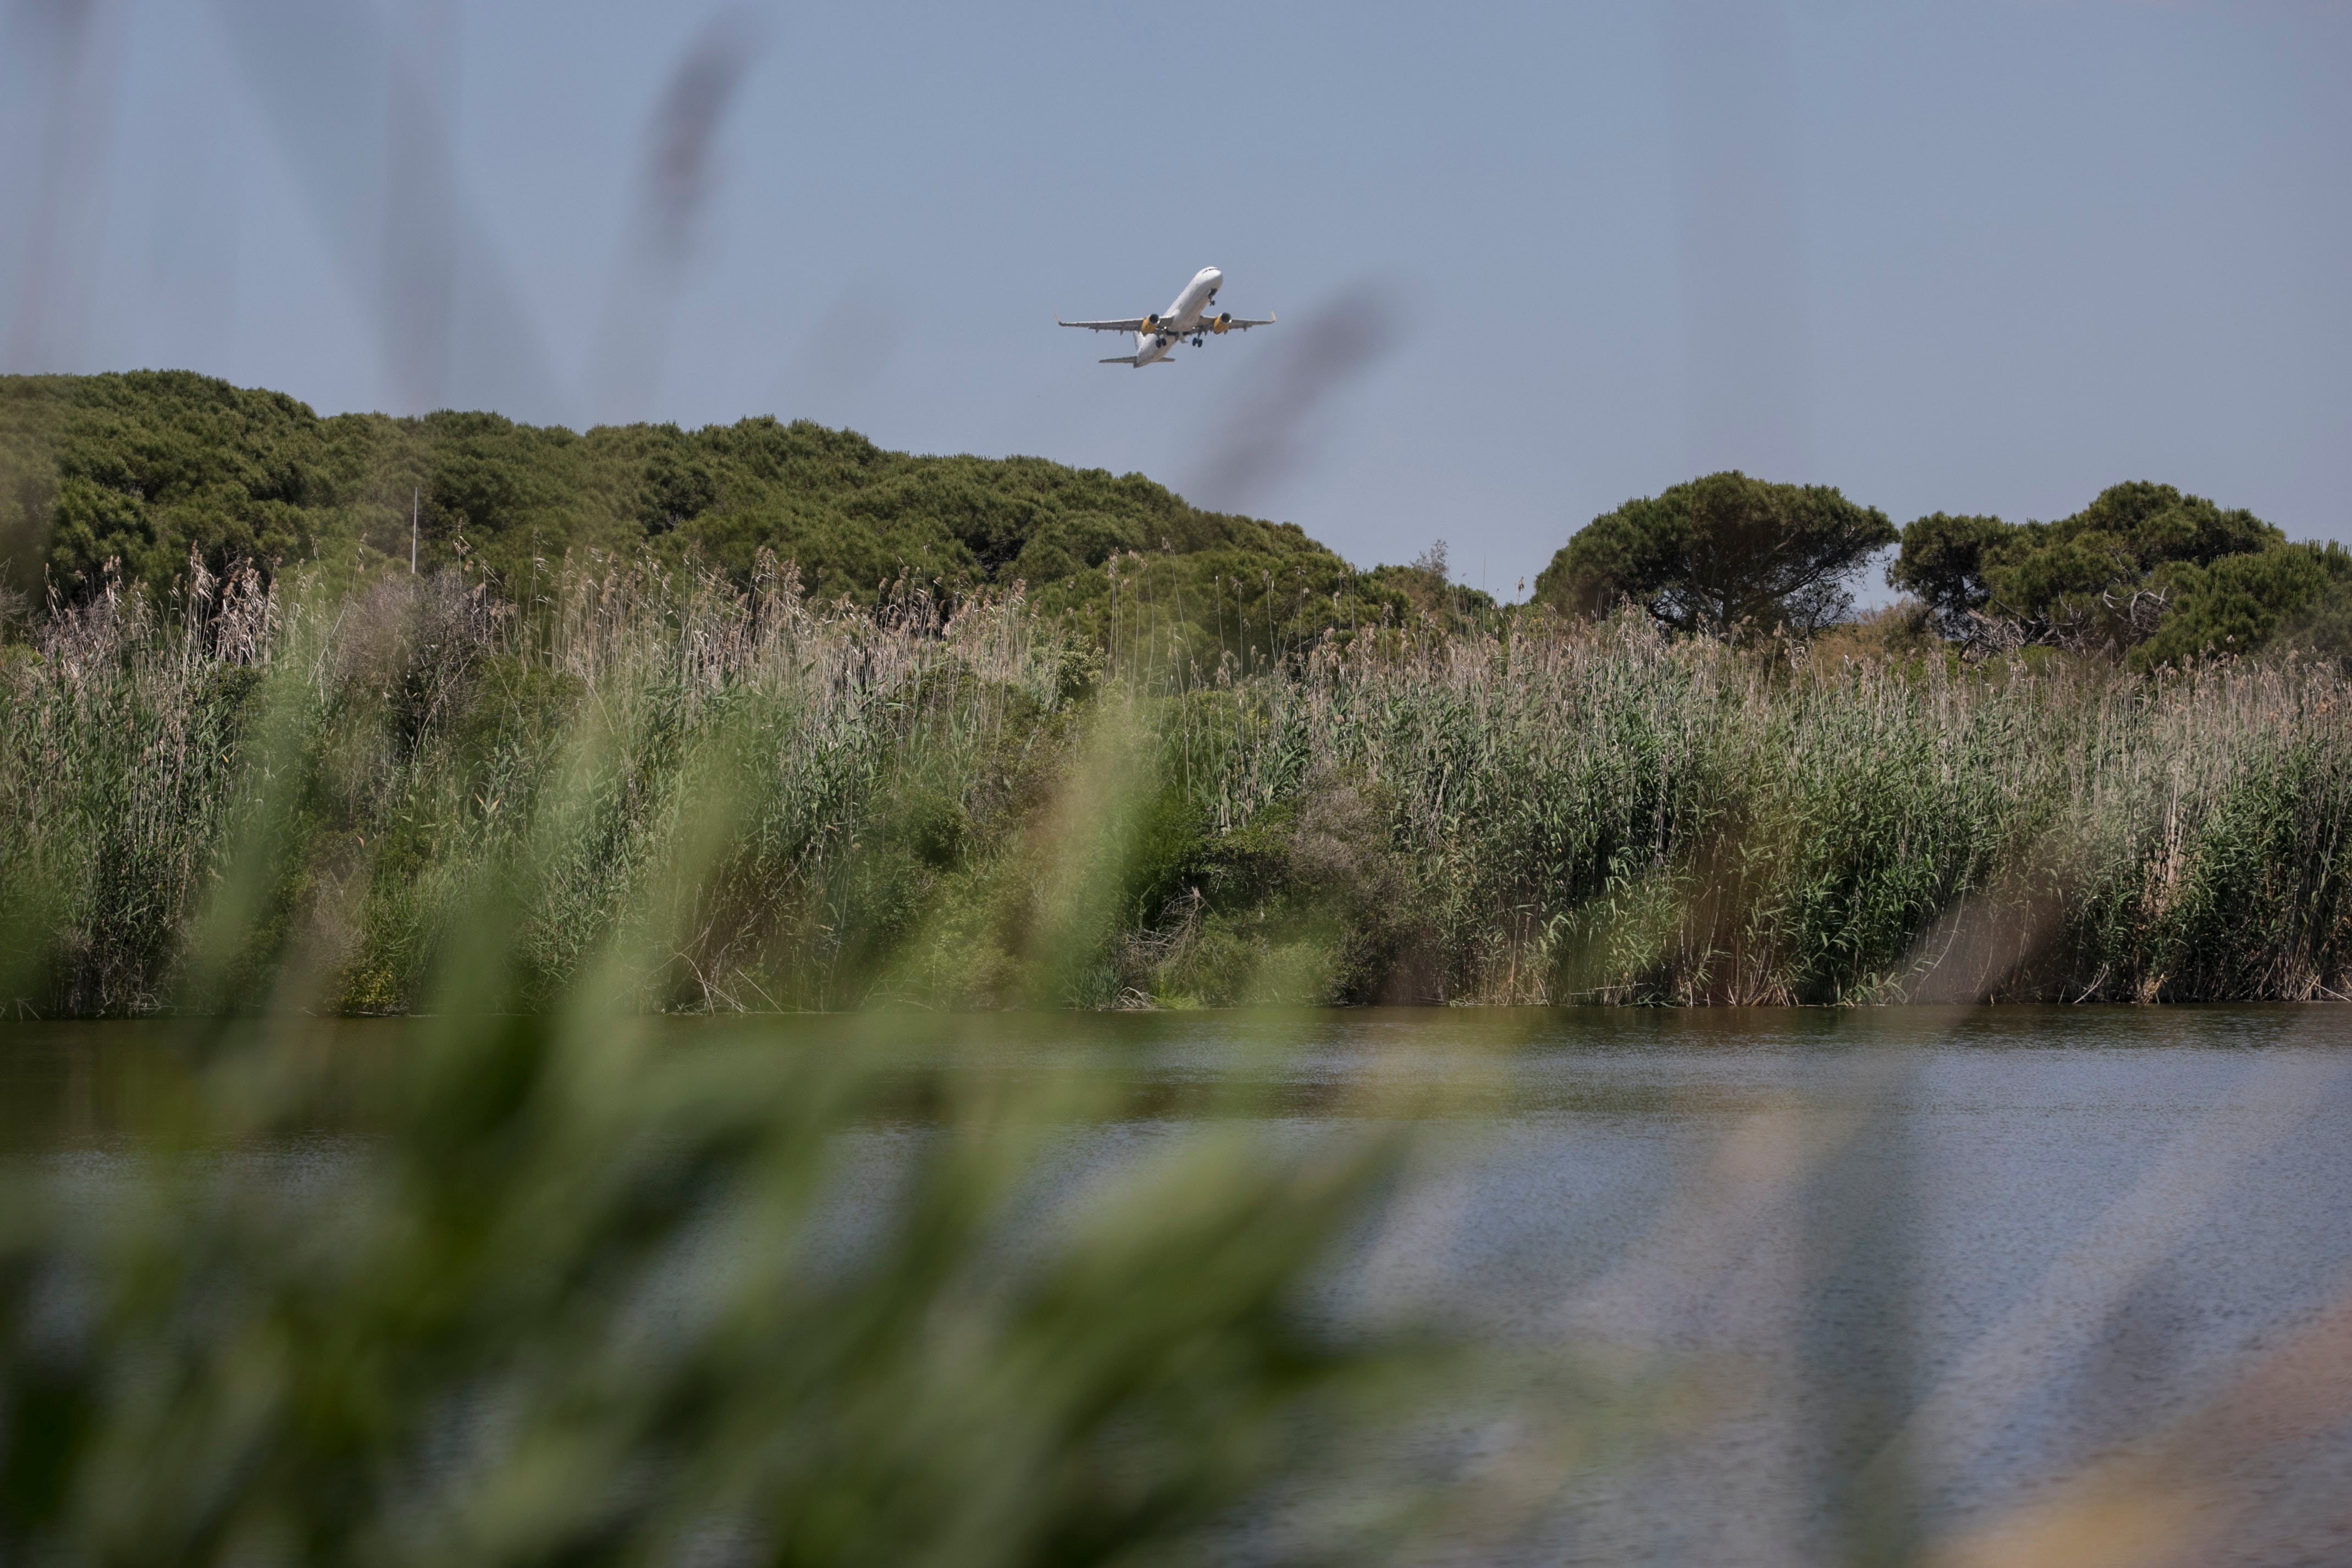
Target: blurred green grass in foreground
{"points": [[564, 1295]]}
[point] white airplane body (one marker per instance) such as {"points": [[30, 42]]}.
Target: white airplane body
{"points": [[1187, 317]]}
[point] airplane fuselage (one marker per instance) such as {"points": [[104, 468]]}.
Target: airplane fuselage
{"points": [[1192, 315], [1180, 319]]}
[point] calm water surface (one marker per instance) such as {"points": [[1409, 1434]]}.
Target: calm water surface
{"points": [[2006, 1247]]}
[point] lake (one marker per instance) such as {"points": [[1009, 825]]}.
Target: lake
{"points": [[1998, 1263]]}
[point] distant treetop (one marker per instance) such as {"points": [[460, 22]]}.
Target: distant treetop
{"points": [[2145, 572], [141, 469], [141, 466], [1725, 554]]}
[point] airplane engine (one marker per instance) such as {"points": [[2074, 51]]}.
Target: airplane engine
{"points": [[1152, 323], [1223, 320]]}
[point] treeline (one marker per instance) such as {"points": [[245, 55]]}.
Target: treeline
{"points": [[2144, 575], [135, 473]]}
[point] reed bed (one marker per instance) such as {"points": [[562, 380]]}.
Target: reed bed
{"points": [[1616, 816], [973, 806]]}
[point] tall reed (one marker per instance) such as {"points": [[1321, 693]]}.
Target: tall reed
{"points": [[974, 806], [1619, 817]]}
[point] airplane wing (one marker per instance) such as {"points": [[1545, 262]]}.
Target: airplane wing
{"points": [[1132, 325], [1238, 325]]}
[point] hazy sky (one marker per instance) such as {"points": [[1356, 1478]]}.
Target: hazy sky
{"points": [[1530, 259]]}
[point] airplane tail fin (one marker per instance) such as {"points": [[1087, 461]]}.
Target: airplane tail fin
{"points": [[1118, 359]]}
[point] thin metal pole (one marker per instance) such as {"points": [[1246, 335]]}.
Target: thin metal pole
{"points": [[415, 496]]}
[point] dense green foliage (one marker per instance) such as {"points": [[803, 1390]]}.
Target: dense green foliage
{"points": [[2144, 573], [134, 473], [143, 469], [1725, 555], [1221, 767], [989, 809]]}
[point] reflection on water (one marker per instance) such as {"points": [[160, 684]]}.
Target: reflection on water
{"points": [[1907, 1273]]}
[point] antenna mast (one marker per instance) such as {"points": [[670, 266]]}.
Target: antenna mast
{"points": [[416, 494]]}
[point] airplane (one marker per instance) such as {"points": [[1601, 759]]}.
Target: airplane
{"points": [[1154, 335]]}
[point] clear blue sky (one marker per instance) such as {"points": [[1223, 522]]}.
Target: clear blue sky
{"points": [[1983, 257]]}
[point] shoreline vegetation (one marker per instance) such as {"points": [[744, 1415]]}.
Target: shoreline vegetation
{"points": [[261, 798], [1090, 747]]}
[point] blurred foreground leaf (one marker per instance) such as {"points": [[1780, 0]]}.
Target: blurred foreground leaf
{"points": [[534, 1292]]}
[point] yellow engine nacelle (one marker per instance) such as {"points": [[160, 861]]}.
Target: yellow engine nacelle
{"points": [[1152, 323], [1221, 322]]}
